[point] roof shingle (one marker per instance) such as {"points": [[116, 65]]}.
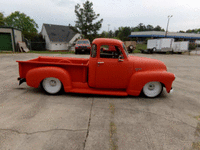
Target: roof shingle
{"points": [[59, 33]]}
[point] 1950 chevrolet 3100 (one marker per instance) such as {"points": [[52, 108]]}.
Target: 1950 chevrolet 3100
{"points": [[108, 71]]}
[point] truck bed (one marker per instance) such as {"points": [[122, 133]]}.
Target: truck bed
{"points": [[77, 67]]}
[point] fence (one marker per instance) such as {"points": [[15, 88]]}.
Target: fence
{"points": [[37, 46]]}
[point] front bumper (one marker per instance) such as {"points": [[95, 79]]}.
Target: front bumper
{"points": [[83, 49]]}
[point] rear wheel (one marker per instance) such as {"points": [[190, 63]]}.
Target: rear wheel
{"points": [[152, 89], [52, 85]]}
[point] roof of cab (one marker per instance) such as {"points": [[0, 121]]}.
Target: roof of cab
{"points": [[106, 41]]}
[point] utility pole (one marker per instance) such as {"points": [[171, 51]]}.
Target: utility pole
{"points": [[168, 24]]}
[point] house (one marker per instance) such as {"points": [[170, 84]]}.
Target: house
{"points": [[8, 38], [58, 37]]}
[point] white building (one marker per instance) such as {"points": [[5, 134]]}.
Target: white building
{"points": [[58, 37]]}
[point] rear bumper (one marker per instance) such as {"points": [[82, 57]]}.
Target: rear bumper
{"points": [[21, 80]]}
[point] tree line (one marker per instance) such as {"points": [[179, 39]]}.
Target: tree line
{"points": [[122, 33]]}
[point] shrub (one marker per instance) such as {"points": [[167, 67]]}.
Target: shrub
{"points": [[192, 46]]}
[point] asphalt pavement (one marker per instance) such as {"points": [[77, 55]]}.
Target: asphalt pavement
{"points": [[32, 120]]}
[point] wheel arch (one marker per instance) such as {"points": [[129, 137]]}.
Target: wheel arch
{"points": [[35, 76], [138, 80]]}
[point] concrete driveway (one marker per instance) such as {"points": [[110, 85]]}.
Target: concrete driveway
{"points": [[32, 120]]}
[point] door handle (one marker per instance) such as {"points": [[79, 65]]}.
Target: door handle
{"points": [[100, 63]]}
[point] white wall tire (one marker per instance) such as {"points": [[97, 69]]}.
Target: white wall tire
{"points": [[152, 89], [52, 85]]}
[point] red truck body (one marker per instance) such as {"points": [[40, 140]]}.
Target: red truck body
{"points": [[113, 73]]}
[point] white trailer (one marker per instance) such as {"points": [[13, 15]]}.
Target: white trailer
{"points": [[197, 41], [160, 45], [166, 45], [180, 46]]}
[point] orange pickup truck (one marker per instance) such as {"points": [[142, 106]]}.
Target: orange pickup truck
{"points": [[106, 72]]}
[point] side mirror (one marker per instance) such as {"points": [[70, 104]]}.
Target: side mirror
{"points": [[120, 58]]}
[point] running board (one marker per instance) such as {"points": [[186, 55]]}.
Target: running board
{"points": [[98, 91]]}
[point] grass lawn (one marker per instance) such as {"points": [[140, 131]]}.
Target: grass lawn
{"points": [[139, 47], [137, 50]]}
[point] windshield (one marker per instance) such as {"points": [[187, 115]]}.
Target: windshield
{"points": [[124, 47], [83, 42]]}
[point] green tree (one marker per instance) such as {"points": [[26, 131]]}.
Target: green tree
{"points": [[149, 27], [23, 22], [181, 31], [110, 34], [158, 28], [141, 27], [193, 30], [123, 33], [104, 34], [85, 20], [1, 19], [116, 33], [134, 29]]}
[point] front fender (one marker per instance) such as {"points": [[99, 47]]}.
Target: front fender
{"points": [[35, 76], [139, 79]]}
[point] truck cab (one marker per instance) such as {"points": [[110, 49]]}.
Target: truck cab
{"points": [[110, 68]]}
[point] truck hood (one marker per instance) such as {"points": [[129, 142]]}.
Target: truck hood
{"points": [[144, 64]]}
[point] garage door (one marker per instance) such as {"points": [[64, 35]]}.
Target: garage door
{"points": [[5, 42]]}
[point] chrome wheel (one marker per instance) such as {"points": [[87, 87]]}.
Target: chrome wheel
{"points": [[52, 85], [152, 89]]}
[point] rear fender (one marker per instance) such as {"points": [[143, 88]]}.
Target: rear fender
{"points": [[139, 79], [35, 76]]}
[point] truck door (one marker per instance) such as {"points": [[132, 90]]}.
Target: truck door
{"points": [[112, 72]]}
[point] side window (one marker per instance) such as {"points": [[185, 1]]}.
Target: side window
{"points": [[110, 51], [94, 51]]}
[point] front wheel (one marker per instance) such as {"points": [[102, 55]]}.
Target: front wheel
{"points": [[152, 89], [52, 85]]}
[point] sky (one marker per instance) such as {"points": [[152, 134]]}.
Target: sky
{"points": [[115, 13]]}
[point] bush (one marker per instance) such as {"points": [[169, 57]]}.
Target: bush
{"points": [[192, 46]]}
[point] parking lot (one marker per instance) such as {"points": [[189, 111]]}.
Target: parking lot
{"points": [[33, 120]]}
